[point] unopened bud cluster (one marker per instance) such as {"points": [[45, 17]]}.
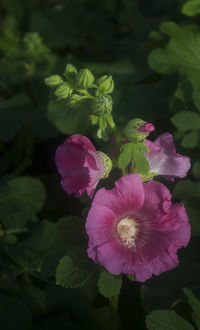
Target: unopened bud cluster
{"points": [[79, 87]]}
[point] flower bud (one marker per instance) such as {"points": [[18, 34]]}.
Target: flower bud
{"points": [[84, 79], [102, 105], [75, 100], [63, 91], [53, 80], [105, 85], [137, 130], [70, 72]]}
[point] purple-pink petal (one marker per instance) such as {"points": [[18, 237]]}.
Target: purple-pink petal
{"points": [[161, 228], [164, 160], [80, 165]]}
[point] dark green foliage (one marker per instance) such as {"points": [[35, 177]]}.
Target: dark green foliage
{"points": [[151, 50]]}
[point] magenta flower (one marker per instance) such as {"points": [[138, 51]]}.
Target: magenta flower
{"points": [[164, 160], [80, 165], [146, 128], [135, 229]]}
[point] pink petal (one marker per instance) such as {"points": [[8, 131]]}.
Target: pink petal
{"points": [[100, 225], [115, 259], [126, 196], [80, 140]]}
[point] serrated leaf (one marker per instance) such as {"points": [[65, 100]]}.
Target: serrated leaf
{"points": [[191, 8], [74, 270], [140, 160], [186, 121], [190, 140], [126, 154], [181, 53], [195, 304], [109, 285], [166, 319]]}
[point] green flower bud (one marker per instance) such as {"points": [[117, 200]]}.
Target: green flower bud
{"points": [[63, 91], [105, 85], [107, 164], [70, 72], [75, 100], [53, 80], [84, 79], [102, 105], [137, 130]]}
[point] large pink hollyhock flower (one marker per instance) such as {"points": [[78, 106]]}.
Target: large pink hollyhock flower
{"points": [[80, 165], [135, 229], [164, 160]]}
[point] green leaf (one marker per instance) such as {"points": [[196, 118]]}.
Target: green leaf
{"points": [[191, 8], [140, 160], [194, 220], [166, 319], [109, 285], [186, 189], [126, 154], [195, 304], [74, 270], [20, 199], [182, 53], [14, 314], [186, 120], [190, 140], [196, 169], [67, 120], [196, 98]]}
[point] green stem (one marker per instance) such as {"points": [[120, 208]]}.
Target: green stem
{"points": [[114, 313]]}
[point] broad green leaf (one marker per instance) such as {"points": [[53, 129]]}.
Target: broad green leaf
{"points": [[186, 189], [74, 270], [191, 8], [49, 242], [126, 154], [194, 219], [140, 160], [14, 314], [109, 285], [190, 140], [195, 304], [182, 53], [166, 319], [196, 169], [67, 120], [196, 98], [186, 120], [20, 199]]}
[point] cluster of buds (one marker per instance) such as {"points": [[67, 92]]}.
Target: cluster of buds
{"points": [[79, 87]]}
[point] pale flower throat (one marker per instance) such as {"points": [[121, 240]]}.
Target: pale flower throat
{"points": [[127, 229]]}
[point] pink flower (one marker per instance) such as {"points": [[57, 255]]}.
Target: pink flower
{"points": [[164, 160], [146, 128], [80, 165], [135, 229]]}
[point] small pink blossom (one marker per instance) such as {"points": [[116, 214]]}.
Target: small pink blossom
{"points": [[164, 160], [146, 128], [80, 165], [135, 229]]}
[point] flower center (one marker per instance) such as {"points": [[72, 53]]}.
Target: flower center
{"points": [[127, 229]]}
